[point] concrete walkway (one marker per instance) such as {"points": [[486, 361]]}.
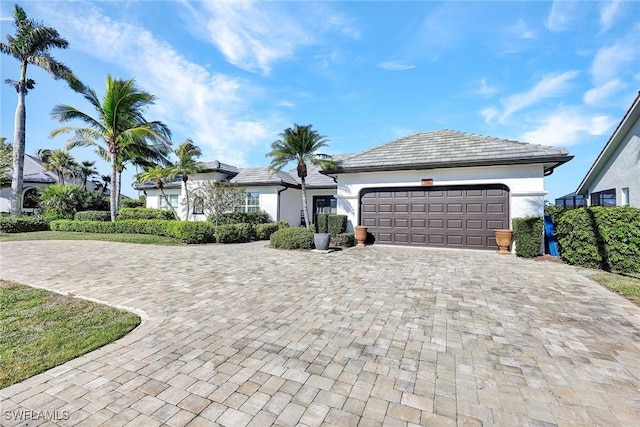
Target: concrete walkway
{"points": [[246, 335]]}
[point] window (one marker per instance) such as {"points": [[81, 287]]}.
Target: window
{"points": [[604, 198], [173, 199], [625, 197], [325, 204], [31, 199], [198, 206], [253, 202]]}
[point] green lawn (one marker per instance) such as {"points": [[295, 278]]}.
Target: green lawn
{"points": [[65, 235], [42, 329], [625, 285]]}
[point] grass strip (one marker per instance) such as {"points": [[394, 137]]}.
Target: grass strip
{"points": [[146, 239], [625, 285], [42, 329]]}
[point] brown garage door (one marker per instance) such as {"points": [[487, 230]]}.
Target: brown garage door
{"points": [[452, 216]]}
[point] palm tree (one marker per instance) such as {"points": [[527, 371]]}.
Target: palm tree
{"points": [[187, 153], [59, 161], [158, 175], [119, 124], [30, 45], [87, 169], [105, 181], [300, 145]]}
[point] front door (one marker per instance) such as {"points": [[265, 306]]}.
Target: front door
{"points": [[325, 204]]}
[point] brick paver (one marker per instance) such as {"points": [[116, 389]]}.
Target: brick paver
{"points": [[247, 335]]}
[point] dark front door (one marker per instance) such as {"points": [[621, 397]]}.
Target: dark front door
{"points": [[451, 216], [324, 204]]}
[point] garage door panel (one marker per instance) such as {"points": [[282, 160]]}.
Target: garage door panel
{"points": [[456, 216]]}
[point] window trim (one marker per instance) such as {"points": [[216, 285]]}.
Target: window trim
{"points": [[162, 202], [600, 198]]}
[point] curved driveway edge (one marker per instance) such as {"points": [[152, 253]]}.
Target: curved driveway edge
{"points": [[247, 335]]}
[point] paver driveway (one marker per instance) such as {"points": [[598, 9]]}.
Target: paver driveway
{"points": [[244, 334]]}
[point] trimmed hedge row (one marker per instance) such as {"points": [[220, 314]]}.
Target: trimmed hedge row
{"points": [[92, 216], [599, 237], [23, 224], [346, 240], [254, 218], [188, 232], [264, 231], [144, 213], [527, 234], [292, 238]]}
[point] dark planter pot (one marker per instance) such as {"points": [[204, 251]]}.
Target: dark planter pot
{"points": [[322, 240]]}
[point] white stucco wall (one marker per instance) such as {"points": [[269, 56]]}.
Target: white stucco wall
{"points": [[622, 170], [5, 196], [525, 183]]}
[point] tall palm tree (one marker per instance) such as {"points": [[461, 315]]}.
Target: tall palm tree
{"points": [[87, 169], [119, 123], [187, 153], [158, 175], [31, 44], [59, 161], [300, 144]]}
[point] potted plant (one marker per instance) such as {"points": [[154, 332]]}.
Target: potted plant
{"points": [[322, 237], [361, 234], [503, 240]]}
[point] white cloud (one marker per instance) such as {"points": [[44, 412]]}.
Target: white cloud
{"points": [[611, 60], [560, 15], [521, 30], [489, 114], [486, 89], [601, 93], [550, 86], [566, 127], [608, 13], [206, 106], [395, 66]]}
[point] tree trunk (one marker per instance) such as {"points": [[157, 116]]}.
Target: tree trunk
{"points": [[185, 191], [168, 202], [305, 211], [19, 140], [114, 190], [118, 190]]}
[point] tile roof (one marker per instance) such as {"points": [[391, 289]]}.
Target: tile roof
{"points": [[263, 176], [315, 179], [217, 166], [448, 148]]}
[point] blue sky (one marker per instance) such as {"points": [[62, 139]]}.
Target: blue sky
{"points": [[231, 75]]}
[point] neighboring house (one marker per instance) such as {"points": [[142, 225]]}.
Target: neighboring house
{"points": [[35, 179], [444, 188], [441, 188], [614, 178]]}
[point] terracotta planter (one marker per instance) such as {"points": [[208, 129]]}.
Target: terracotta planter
{"points": [[504, 239], [361, 235]]}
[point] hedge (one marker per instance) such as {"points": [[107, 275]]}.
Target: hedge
{"points": [[527, 234], [92, 216], [330, 223], [254, 218], [346, 240], [23, 224], [188, 232], [264, 231], [599, 237], [144, 213], [234, 233], [292, 238], [133, 203]]}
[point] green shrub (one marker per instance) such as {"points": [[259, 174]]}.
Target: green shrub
{"points": [[92, 216], [292, 238], [234, 233], [345, 240], [145, 213], [555, 212], [527, 234], [63, 201], [193, 232], [336, 224], [83, 226], [133, 203], [254, 218], [23, 224], [598, 237], [264, 231], [321, 223]]}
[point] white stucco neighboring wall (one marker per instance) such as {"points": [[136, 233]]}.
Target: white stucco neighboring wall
{"points": [[525, 183], [622, 170]]}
